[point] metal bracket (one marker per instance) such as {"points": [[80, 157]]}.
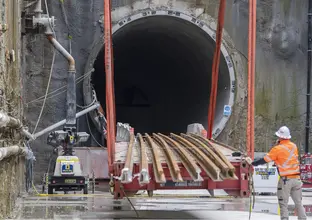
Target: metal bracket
{"points": [[144, 177], [45, 21], [126, 175]]}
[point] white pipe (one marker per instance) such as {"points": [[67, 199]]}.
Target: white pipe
{"points": [[14, 150], [64, 52], [60, 123], [38, 9], [27, 134], [8, 121]]}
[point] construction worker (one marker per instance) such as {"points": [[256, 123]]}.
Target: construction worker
{"points": [[285, 157]]}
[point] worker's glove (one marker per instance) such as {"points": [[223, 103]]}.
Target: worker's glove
{"points": [[258, 162]]}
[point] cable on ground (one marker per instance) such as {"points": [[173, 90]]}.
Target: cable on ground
{"points": [[136, 212], [252, 196]]}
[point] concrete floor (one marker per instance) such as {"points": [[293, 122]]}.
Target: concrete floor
{"points": [[172, 206]]}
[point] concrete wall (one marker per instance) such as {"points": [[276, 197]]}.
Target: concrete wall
{"points": [[11, 169], [280, 69], [281, 65]]}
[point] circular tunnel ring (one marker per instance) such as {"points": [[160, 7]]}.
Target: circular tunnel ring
{"points": [[98, 46]]}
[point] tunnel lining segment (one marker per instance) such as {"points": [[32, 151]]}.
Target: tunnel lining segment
{"points": [[218, 127]]}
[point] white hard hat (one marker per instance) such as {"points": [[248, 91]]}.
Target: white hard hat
{"points": [[283, 133]]}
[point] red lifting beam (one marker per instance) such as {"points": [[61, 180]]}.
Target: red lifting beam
{"points": [[250, 132], [109, 73], [215, 69]]}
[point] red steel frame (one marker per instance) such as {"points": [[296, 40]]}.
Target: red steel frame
{"points": [[250, 131], [109, 74], [215, 69], [238, 187]]}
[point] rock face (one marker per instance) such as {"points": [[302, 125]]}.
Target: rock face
{"points": [[280, 64], [280, 67], [12, 170]]}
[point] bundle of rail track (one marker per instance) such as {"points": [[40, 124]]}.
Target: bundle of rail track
{"points": [[193, 151]]}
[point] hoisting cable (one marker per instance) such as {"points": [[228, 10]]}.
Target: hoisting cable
{"points": [[251, 95], [215, 69], [309, 69]]}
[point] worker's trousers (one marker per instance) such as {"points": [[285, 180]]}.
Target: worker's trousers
{"points": [[293, 188]]}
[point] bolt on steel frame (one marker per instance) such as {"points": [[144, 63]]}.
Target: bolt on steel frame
{"points": [[172, 170]]}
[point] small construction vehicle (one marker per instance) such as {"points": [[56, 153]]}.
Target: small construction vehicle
{"points": [[67, 175]]}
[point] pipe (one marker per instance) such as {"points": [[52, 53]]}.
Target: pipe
{"points": [[215, 69], [58, 124], [8, 121], [63, 51], [38, 9], [109, 72], [14, 150], [26, 133], [251, 78], [307, 129], [71, 85]]}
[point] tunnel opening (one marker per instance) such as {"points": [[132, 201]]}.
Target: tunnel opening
{"points": [[162, 68]]}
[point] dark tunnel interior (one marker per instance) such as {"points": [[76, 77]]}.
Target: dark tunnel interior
{"points": [[162, 79]]}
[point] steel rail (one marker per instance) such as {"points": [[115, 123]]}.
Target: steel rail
{"points": [[216, 150], [205, 162], [144, 174], [225, 170], [170, 158], [158, 170], [126, 173], [188, 162]]}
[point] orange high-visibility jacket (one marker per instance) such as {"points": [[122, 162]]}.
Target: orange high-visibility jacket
{"points": [[285, 156]]}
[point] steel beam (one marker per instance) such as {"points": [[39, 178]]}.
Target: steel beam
{"points": [[144, 175], [188, 162], [158, 170], [210, 168], [171, 160]]}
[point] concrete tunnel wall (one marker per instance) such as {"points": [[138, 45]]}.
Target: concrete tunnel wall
{"points": [[280, 70]]}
